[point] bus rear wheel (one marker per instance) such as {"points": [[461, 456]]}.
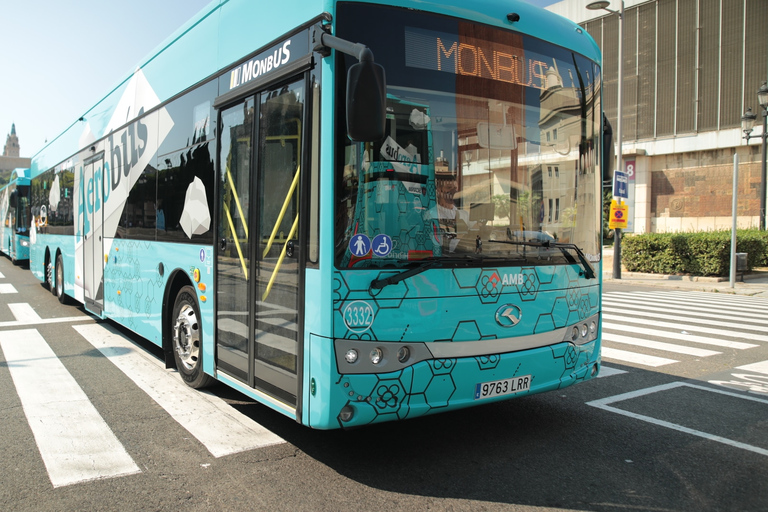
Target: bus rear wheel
{"points": [[187, 339]]}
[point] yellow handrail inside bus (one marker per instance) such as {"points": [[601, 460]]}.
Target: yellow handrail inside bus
{"points": [[280, 260], [237, 202], [237, 243], [282, 212]]}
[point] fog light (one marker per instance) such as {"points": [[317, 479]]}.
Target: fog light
{"points": [[575, 333], [376, 355], [347, 413], [584, 330], [403, 354], [594, 370], [351, 356]]}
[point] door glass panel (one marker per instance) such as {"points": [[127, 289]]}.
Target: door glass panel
{"points": [[276, 319], [234, 256]]}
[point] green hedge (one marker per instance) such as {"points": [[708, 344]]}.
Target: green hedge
{"points": [[700, 254]]}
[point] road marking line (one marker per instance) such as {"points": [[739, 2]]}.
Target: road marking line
{"points": [[634, 357], [715, 323], [685, 311], [607, 371], [44, 321], [2, 276], [23, 312], [7, 288], [74, 441], [718, 299], [603, 404], [658, 345], [761, 367], [685, 327], [679, 336], [219, 427]]}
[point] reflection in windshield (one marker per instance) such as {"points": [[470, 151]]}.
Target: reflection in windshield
{"points": [[478, 159]]}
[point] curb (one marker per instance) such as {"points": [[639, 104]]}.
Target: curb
{"points": [[684, 278]]}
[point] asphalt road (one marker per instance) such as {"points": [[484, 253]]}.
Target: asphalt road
{"points": [[660, 430]]}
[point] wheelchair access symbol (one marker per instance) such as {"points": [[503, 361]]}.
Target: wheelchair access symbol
{"points": [[382, 245]]}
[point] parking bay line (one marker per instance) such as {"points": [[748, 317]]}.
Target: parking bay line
{"points": [[603, 404], [220, 428], [74, 441]]}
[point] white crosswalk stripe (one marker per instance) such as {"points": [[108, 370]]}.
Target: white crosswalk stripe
{"points": [[220, 428], [640, 328], [7, 288], [74, 441]]}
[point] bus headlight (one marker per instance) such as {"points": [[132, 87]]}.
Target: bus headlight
{"points": [[376, 355], [582, 332], [351, 356]]}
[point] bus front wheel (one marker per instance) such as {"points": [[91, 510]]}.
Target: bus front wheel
{"points": [[58, 287], [187, 338]]}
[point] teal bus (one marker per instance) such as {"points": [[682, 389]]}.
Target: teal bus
{"points": [[348, 211], [15, 216]]}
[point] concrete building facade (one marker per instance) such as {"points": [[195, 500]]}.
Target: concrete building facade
{"points": [[691, 69]]}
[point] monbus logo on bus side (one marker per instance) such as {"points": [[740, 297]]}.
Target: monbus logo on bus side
{"points": [[260, 66]]}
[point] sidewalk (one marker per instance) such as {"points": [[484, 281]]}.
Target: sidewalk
{"points": [[754, 284]]}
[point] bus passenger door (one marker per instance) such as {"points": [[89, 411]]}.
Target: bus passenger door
{"points": [[259, 271], [93, 242]]}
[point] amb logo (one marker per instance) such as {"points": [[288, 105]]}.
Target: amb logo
{"points": [[492, 282]]}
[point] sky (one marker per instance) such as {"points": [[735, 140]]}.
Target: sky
{"points": [[58, 58]]}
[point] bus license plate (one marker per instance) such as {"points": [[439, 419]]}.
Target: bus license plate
{"points": [[502, 387]]}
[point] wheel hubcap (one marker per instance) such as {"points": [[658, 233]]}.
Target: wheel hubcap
{"points": [[186, 337], [59, 281]]}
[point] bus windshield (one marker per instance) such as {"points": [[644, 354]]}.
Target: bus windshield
{"points": [[490, 152]]}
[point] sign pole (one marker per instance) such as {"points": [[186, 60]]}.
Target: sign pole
{"points": [[617, 251]]}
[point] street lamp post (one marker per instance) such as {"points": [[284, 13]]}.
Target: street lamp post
{"points": [[747, 124], [598, 6]]}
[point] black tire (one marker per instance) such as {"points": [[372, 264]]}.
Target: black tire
{"points": [[187, 339], [58, 284]]}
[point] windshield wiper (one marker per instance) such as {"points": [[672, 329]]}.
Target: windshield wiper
{"points": [[378, 284], [588, 270]]}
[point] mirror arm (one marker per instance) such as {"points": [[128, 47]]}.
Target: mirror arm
{"points": [[357, 50]]}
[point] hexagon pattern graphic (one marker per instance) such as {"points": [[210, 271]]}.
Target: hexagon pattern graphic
{"points": [[426, 386]]}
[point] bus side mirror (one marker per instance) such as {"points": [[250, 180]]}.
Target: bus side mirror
{"points": [[12, 199], [609, 154], [366, 100]]}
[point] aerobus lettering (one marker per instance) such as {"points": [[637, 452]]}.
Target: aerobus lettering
{"points": [[123, 155], [260, 66], [133, 139]]}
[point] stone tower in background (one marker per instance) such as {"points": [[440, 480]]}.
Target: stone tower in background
{"points": [[12, 143]]}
